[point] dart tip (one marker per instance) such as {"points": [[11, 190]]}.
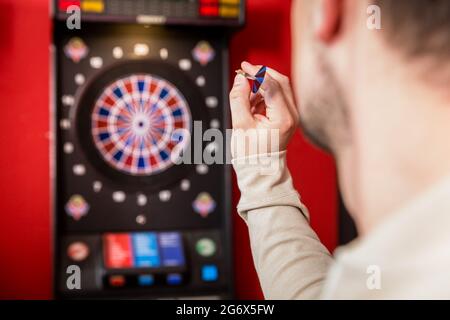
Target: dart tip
{"points": [[245, 74]]}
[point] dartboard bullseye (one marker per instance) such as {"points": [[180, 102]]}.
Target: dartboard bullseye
{"points": [[137, 122]]}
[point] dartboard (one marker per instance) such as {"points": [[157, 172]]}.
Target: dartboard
{"points": [[138, 121]]}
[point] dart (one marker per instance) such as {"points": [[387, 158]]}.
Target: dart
{"points": [[245, 74], [257, 79]]}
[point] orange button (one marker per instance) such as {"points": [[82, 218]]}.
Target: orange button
{"points": [[229, 12], [96, 6], [230, 1]]}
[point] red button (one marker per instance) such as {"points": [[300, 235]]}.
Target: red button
{"points": [[117, 281], [64, 4], [205, 2], [78, 251], [209, 11]]}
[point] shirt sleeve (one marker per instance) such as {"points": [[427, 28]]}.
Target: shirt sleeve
{"points": [[289, 258]]}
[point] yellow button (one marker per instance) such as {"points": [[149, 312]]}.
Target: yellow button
{"points": [[230, 1], [229, 12], [93, 6]]}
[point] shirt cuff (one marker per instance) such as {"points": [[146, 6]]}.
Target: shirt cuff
{"points": [[265, 181]]}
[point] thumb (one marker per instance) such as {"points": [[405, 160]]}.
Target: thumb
{"points": [[240, 103]]}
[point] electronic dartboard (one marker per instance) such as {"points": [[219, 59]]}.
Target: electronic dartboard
{"points": [[133, 122], [136, 213]]}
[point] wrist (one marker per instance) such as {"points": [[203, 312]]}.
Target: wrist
{"points": [[256, 141]]}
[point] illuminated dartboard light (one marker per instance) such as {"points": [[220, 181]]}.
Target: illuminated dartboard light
{"points": [[134, 122]]}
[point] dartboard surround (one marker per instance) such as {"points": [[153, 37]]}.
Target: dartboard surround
{"points": [[117, 120]]}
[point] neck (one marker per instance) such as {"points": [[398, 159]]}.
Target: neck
{"points": [[401, 147]]}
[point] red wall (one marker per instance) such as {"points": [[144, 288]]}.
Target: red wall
{"points": [[24, 162], [25, 220]]}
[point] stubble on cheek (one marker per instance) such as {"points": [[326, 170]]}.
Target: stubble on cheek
{"points": [[324, 115]]}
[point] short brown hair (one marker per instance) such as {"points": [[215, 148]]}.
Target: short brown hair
{"points": [[420, 27]]}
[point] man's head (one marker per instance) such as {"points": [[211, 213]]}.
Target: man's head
{"points": [[353, 80], [328, 35]]}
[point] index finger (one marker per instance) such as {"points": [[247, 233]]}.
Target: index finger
{"points": [[280, 78]]}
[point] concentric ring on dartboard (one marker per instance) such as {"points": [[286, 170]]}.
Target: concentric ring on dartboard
{"points": [[129, 140], [134, 122]]}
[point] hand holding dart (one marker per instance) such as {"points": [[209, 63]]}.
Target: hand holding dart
{"points": [[257, 79]]}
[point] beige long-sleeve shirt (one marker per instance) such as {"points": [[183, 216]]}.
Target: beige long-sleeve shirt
{"points": [[408, 256]]}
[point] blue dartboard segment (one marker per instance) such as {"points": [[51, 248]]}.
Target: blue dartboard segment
{"points": [[134, 122]]}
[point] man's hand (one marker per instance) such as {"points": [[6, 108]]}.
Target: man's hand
{"points": [[271, 110]]}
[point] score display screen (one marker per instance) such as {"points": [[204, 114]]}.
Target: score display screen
{"points": [[143, 250], [156, 11]]}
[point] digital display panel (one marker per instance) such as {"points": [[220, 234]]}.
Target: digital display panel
{"points": [[143, 250], [171, 249], [156, 11]]}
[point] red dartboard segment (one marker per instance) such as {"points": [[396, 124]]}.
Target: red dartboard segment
{"points": [[133, 121]]}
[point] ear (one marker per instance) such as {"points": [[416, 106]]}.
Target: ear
{"points": [[327, 19]]}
